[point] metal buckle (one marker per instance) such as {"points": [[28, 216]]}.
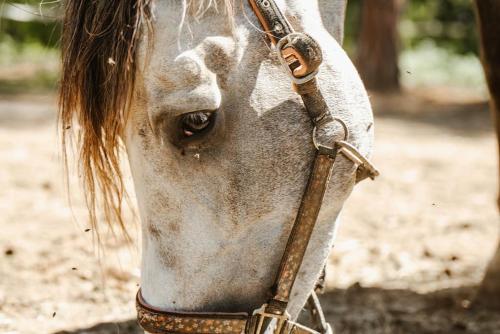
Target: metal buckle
{"points": [[262, 315], [284, 59], [365, 166], [353, 154]]}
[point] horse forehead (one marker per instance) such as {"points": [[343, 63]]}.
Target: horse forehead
{"points": [[183, 23]]}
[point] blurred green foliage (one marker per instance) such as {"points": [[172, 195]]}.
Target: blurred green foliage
{"points": [[42, 32], [450, 24], [27, 67], [427, 65], [438, 39], [39, 24], [438, 43], [29, 39]]}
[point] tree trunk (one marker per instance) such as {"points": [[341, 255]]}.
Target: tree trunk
{"points": [[488, 16], [377, 56]]}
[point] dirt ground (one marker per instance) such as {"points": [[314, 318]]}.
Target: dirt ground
{"points": [[412, 247]]}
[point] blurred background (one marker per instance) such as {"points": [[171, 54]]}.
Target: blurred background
{"points": [[413, 245]]}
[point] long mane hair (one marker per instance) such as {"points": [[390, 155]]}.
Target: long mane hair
{"points": [[99, 43]]}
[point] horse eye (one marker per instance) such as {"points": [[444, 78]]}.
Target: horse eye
{"points": [[197, 122]]}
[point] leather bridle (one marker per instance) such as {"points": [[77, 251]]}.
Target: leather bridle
{"points": [[301, 56]]}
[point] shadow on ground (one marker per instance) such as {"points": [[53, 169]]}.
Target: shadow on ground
{"points": [[380, 311]]}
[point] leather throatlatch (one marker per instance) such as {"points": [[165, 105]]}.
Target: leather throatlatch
{"points": [[301, 57]]}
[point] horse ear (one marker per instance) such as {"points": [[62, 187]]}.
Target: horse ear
{"points": [[99, 42]]}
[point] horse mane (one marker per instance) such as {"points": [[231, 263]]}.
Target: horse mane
{"points": [[98, 48]]}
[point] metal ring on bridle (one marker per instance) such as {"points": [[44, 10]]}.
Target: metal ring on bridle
{"points": [[344, 127]]}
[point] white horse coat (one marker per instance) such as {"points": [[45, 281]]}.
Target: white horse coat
{"points": [[216, 214]]}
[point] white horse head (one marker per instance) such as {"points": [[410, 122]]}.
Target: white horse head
{"points": [[219, 145]]}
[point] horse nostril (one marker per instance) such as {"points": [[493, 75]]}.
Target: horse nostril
{"points": [[196, 122]]}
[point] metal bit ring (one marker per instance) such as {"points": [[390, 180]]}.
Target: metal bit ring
{"points": [[344, 127]]}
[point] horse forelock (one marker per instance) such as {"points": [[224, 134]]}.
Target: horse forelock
{"points": [[99, 45]]}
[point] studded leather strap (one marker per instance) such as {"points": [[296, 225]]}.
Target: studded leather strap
{"points": [[275, 24], [154, 320], [304, 225], [299, 50]]}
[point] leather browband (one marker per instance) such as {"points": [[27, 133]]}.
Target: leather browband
{"points": [[301, 56]]}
